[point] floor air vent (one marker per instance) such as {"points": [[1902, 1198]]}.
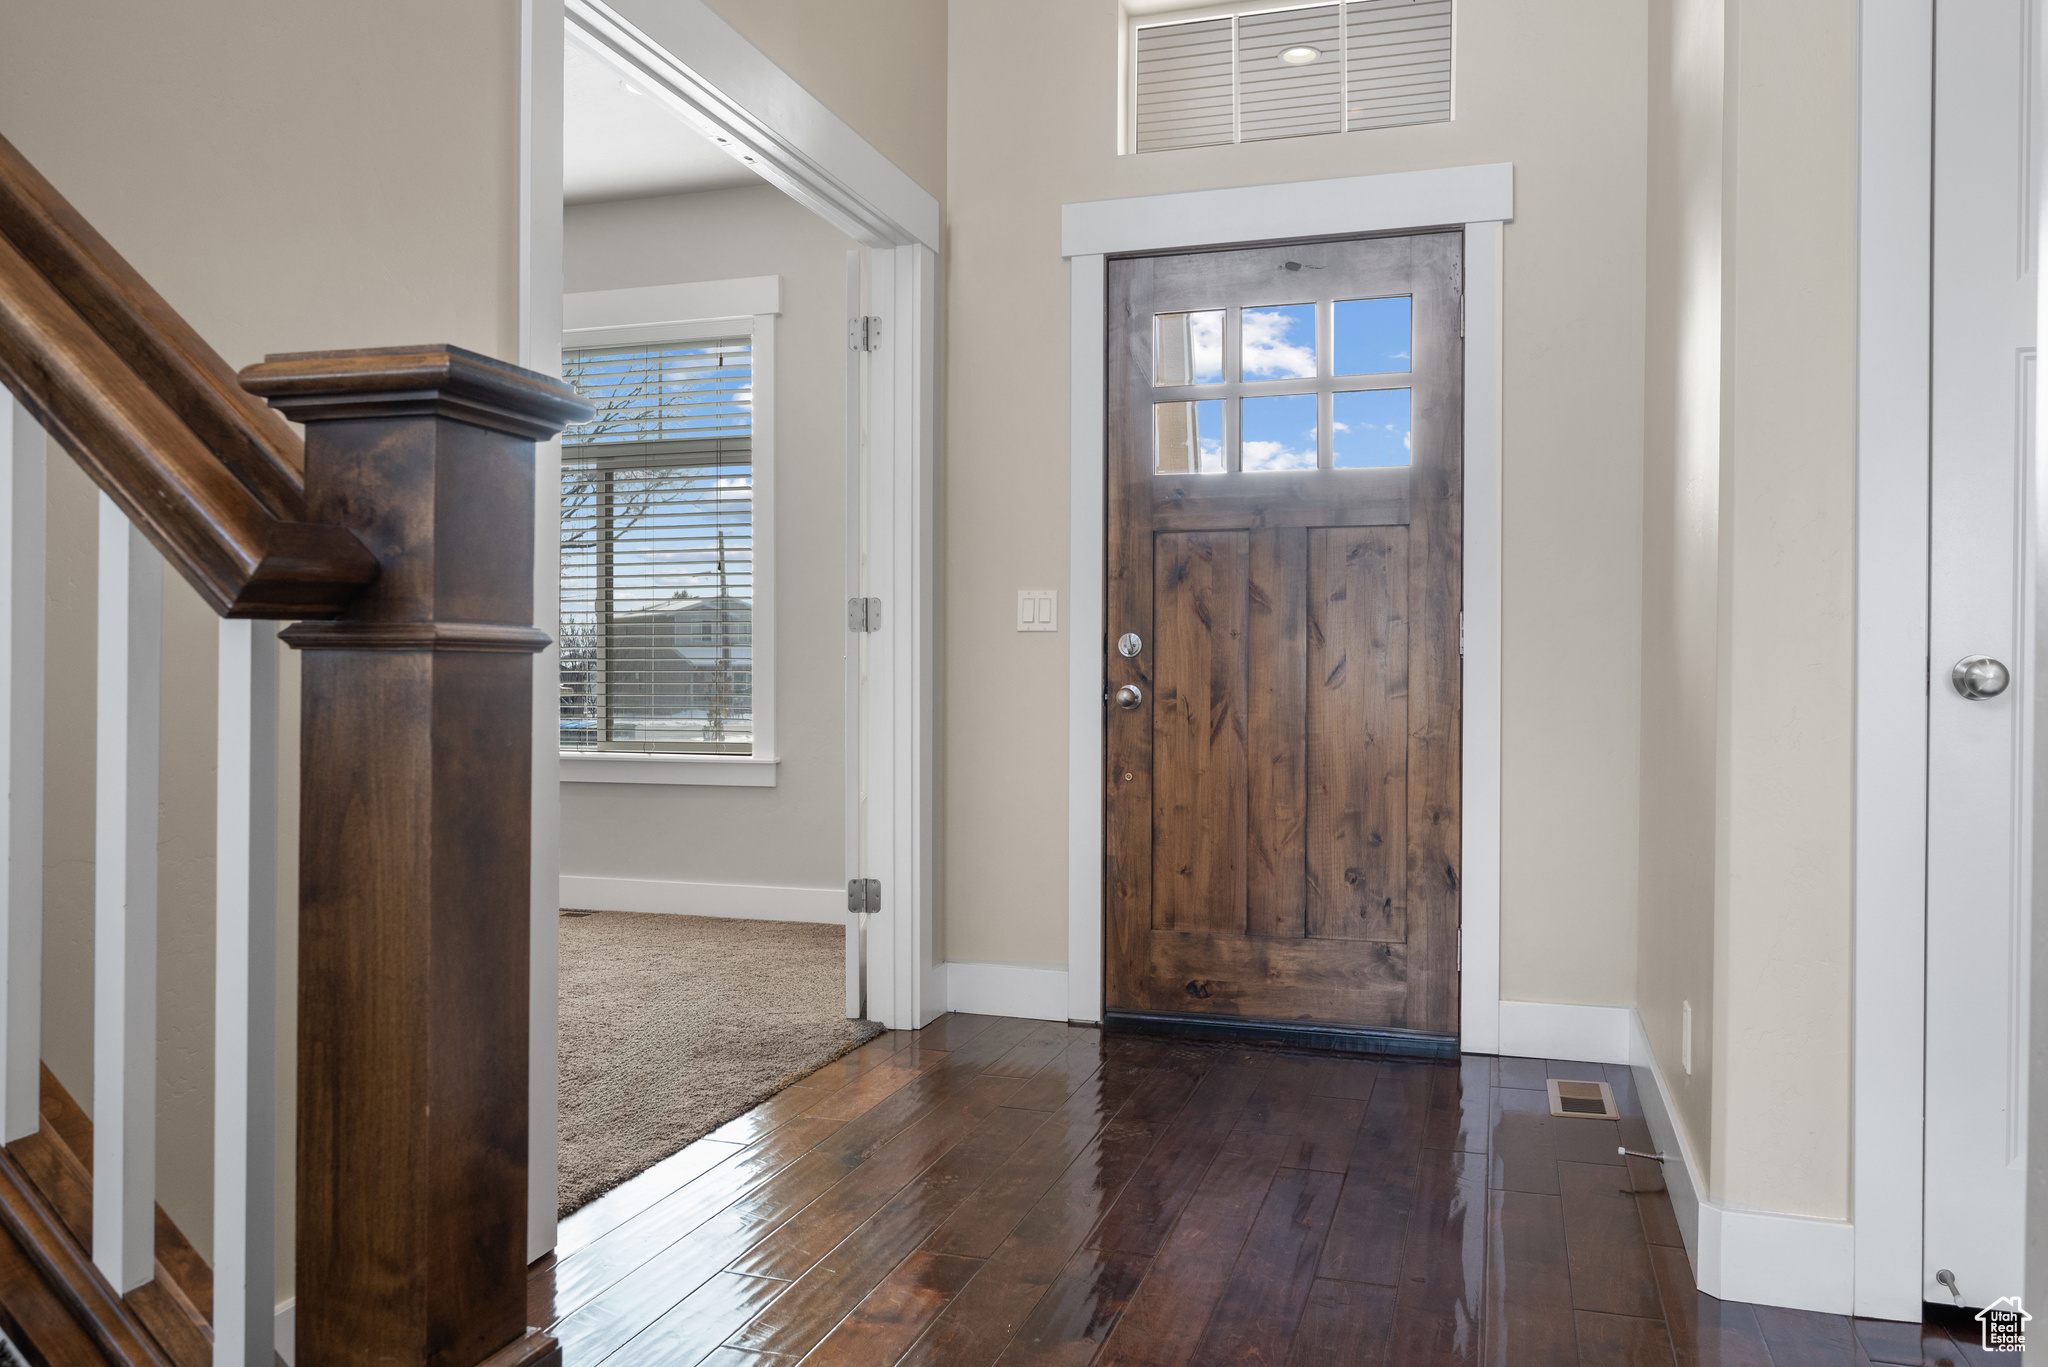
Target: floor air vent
{"points": [[1587, 1100]]}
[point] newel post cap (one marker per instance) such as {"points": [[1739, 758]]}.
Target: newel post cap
{"points": [[416, 381]]}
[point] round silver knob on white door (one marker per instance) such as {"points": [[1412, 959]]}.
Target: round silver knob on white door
{"points": [[1129, 697], [1977, 677]]}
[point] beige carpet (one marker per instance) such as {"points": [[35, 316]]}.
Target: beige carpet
{"points": [[673, 1025]]}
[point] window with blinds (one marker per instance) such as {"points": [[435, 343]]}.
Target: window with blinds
{"points": [[1285, 73], [657, 638]]}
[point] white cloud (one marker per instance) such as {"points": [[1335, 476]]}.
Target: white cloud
{"points": [[1274, 455], [1269, 353]]}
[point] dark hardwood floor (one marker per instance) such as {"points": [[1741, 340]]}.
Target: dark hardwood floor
{"points": [[989, 1190]]}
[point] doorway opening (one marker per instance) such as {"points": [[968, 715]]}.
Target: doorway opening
{"points": [[715, 712]]}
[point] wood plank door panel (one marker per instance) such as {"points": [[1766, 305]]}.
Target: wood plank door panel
{"points": [[1281, 816], [1199, 709], [1357, 730], [1276, 881]]}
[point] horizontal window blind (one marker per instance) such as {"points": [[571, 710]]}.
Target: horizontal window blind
{"points": [[1282, 73], [1186, 92], [1280, 100], [1397, 62], [658, 550]]}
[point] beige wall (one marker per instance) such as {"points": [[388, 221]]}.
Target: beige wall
{"points": [[878, 64], [235, 154], [1682, 484], [1558, 91], [1790, 383], [1749, 532], [791, 835]]}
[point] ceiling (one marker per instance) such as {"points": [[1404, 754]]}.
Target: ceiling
{"points": [[620, 144]]}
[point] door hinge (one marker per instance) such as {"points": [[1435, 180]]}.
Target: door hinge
{"points": [[863, 895], [863, 334], [863, 614], [1461, 949], [1461, 635]]}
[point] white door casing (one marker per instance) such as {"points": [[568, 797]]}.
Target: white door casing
{"points": [[1979, 783], [890, 501]]}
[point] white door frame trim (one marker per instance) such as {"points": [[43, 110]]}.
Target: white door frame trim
{"points": [[1894, 300], [682, 54], [1481, 199], [540, 348]]}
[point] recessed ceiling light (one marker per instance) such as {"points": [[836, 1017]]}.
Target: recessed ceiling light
{"points": [[1300, 56]]}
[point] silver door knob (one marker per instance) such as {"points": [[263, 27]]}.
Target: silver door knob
{"points": [[1129, 696], [1979, 676]]}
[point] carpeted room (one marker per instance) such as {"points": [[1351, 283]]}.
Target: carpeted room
{"points": [[673, 1025]]}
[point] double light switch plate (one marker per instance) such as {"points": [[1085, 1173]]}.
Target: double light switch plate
{"points": [[1038, 610]]}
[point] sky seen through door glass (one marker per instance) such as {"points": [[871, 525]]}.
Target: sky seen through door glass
{"points": [[1282, 342]]}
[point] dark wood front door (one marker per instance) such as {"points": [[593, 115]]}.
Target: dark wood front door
{"points": [[1285, 463]]}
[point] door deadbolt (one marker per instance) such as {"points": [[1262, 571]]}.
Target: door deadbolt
{"points": [[1129, 696], [1129, 644], [1977, 677]]}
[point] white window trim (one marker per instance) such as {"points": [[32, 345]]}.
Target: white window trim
{"points": [[1481, 199], [681, 313]]}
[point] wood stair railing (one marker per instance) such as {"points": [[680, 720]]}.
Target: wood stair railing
{"points": [[214, 480], [400, 534]]}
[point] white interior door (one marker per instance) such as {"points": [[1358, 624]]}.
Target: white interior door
{"points": [[1979, 785]]}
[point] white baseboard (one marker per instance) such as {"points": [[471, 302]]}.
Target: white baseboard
{"points": [[1740, 1253], [741, 901], [287, 1320], [1584, 1034], [1033, 991]]}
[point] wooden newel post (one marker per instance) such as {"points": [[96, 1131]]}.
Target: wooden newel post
{"points": [[415, 778]]}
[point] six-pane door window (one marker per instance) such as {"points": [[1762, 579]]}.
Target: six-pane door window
{"points": [[1283, 387], [658, 550]]}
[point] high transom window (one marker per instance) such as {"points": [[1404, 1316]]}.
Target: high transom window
{"points": [[658, 550], [1240, 76]]}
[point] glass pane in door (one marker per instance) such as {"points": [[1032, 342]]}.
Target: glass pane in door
{"points": [[1279, 432], [1188, 438], [1370, 427], [1280, 342], [1372, 336], [1187, 348]]}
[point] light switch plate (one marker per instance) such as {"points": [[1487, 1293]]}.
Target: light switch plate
{"points": [[1038, 610]]}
